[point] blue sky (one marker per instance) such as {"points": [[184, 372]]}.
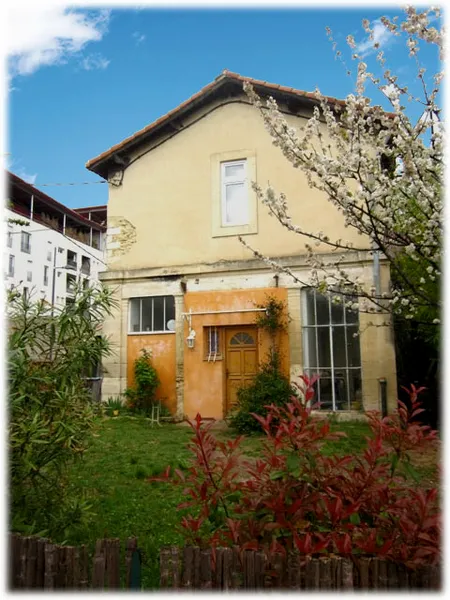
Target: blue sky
{"points": [[81, 82]]}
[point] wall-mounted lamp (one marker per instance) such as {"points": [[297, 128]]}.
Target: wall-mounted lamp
{"points": [[190, 340]]}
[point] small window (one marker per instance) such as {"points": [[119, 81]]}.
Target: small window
{"points": [[29, 276], [11, 266], [234, 193], [152, 314], [86, 265], [25, 242], [45, 275], [71, 259], [9, 239], [49, 255], [213, 339], [26, 293]]}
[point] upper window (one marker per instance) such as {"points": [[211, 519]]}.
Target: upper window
{"points": [[234, 193], [331, 350], [9, 239], [152, 314], [11, 266], [45, 275], [25, 242]]}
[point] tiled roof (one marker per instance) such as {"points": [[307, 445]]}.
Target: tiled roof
{"points": [[225, 75]]}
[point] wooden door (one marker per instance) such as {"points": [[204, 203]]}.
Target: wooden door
{"points": [[241, 360]]}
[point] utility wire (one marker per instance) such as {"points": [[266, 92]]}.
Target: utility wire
{"points": [[72, 183]]}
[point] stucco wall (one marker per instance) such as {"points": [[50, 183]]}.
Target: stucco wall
{"points": [[162, 213]]}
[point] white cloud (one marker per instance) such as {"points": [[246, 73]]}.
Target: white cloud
{"points": [[94, 61], [139, 37], [49, 35], [381, 36]]}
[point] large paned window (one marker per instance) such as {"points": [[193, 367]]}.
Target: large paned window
{"points": [[235, 210], [331, 350], [152, 314]]}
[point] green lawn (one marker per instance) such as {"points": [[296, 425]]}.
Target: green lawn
{"points": [[123, 453]]}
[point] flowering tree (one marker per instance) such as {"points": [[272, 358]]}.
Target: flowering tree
{"points": [[382, 171]]}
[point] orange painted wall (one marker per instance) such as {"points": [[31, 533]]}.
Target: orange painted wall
{"points": [[162, 348], [204, 382]]}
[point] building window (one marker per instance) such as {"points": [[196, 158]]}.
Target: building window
{"points": [[331, 350], [29, 276], [212, 337], [86, 265], [49, 255], [234, 193], [152, 314], [71, 259], [25, 242], [25, 293], [45, 275], [11, 266], [9, 239]]}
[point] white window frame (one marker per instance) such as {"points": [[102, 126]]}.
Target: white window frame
{"points": [[233, 180], [152, 331], [308, 327]]}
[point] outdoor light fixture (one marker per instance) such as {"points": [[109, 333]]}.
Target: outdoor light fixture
{"points": [[191, 339]]}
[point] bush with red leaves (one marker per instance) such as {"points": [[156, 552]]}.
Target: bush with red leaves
{"points": [[295, 497]]}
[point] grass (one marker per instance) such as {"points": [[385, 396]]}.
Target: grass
{"points": [[124, 452]]}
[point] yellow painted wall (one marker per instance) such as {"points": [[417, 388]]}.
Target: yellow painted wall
{"points": [[162, 349], [204, 382], [167, 199]]}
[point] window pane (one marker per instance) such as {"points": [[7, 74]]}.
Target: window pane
{"points": [[308, 303], [310, 347], [236, 170], [147, 314], [158, 313], [339, 356], [323, 339], [322, 307], [235, 203], [353, 348], [337, 312], [134, 314], [326, 394], [170, 309], [340, 390], [351, 316]]}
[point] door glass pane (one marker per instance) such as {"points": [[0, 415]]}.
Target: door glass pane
{"points": [[310, 347], [147, 314], [158, 313], [236, 170], [339, 356], [134, 314], [353, 347], [323, 314], [323, 339]]}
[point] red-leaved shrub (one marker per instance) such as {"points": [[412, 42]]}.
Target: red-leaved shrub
{"points": [[296, 497]]}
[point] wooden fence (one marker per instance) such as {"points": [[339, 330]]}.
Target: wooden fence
{"points": [[35, 563], [192, 568]]}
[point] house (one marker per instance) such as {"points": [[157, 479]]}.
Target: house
{"points": [[49, 247], [180, 194]]}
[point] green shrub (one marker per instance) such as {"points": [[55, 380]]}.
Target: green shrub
{"points": [[50, 352], [114, 407], [270, 386], [141, 397]]}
